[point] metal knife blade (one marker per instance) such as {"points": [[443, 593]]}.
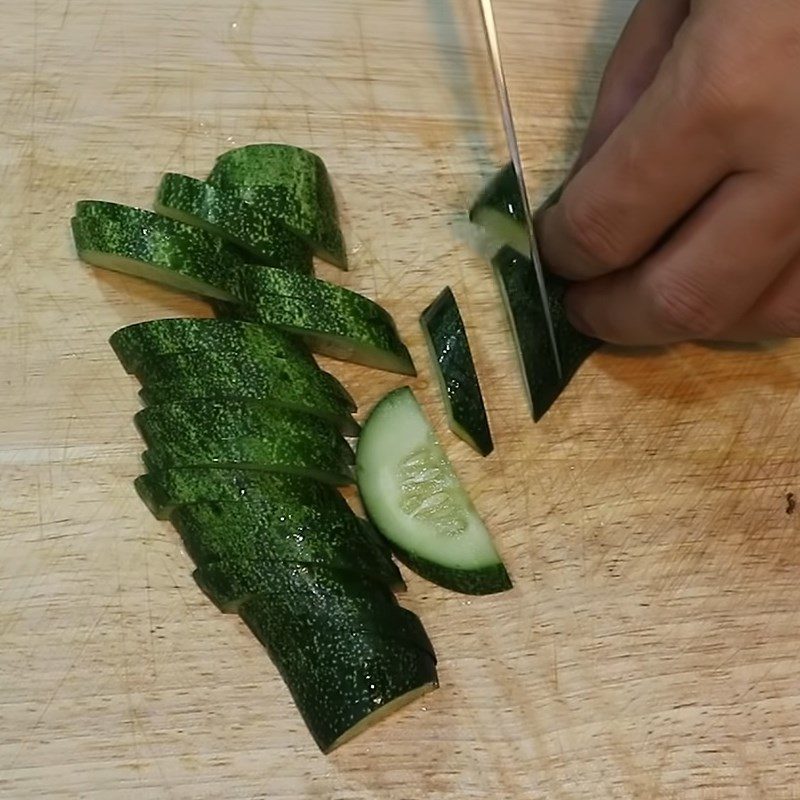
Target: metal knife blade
{"points": [[490, 29]]}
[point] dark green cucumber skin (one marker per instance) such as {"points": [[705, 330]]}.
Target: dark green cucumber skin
{"points": [[290, 184], [502, 194], [445, 330], [279, 381], [222, 212], [164, 491], [338, 679], [358, 603], [488, 580], [246, 434], [317, 309], [139, 344], [145, 236], [517, 275], [245, 538]]}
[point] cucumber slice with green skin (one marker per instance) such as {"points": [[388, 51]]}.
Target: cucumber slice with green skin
{"points": [[414, 498], [289, 184], [246, 537], [147, 245], [332, 320], [342, 682], [455, 370], [358, 602], [499, 210], [223, 213], [139, 344], [278, 382], [247, 434], [164, 491], [520, 291]]}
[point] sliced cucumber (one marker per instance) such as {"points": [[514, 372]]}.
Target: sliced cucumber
{"points": [[279, 382], [246, 434], [165, 491], [246, 537], [414, 498], [332, 320], [455, 370], [342, 681], [139, 344], [147, 245], [520, 291], [222, 212], [289, 184], [499, 210]]}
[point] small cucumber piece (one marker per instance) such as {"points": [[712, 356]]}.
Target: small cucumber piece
{"points": [[517, 279], [147, 245], [499, 211], [289, 184], [223, 213], [166, 490], [455, 370], [342, 681], [247, 434], [332, 320], [414, 498], [139, 344], [246, 537], [279, 382]]}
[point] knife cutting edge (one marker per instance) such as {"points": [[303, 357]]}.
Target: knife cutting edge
{"points": [[490, 29]]}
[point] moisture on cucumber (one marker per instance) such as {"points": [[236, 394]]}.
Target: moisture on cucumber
{"points": [[165, 490], [223, 213], [455, 371], [246, 538], [277, 381], [414, 498], [289, 184], [246, 434], [342, 681], [139, 344], [146, 245], [332, 320]]}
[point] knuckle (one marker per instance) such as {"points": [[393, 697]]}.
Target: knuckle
{"points": [[592, 231], [684, 311]]}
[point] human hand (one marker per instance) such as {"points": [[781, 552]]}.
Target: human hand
{"points": [[681, 219]]}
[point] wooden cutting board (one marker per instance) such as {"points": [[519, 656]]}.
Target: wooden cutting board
{"points": [[650, 646]]}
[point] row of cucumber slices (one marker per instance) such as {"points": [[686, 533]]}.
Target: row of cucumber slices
{"points": [[247, 437]]}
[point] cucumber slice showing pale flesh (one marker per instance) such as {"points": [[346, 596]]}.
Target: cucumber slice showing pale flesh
{"points": [[416, 501], [332, 320], [455, 371], [146, 245], [290, 184], [222, 212]]}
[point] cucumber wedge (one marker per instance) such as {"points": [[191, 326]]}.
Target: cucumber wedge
{"points": [[520, 292], [414, 498], [246, 537], [342, 682], [277, 382], [164, 491], [246, 434], [332, 320], [455, 370], [498, 210], [147, 245], [223, 213], [289, 184], [139, 344]]}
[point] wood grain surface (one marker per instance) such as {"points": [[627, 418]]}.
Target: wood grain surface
{"points": [[650, 646]]}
